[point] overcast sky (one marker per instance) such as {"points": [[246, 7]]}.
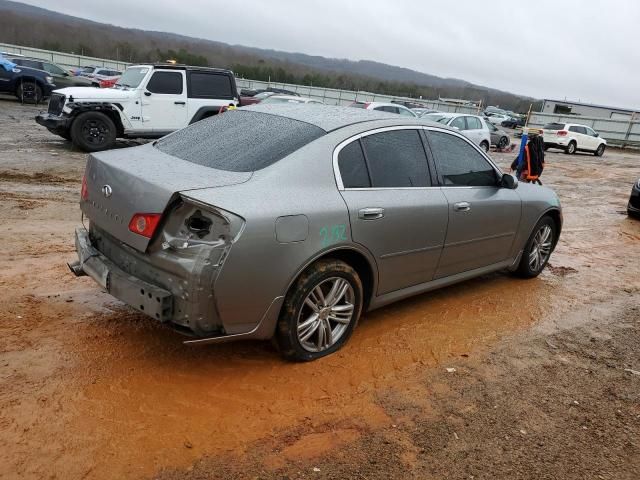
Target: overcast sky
{"points": [[582, 50]]}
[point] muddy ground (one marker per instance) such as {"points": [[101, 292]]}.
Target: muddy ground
{"points": [[546, 379]]}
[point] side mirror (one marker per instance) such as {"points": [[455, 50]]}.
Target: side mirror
{"points": [[509, 181], [597, 134]]}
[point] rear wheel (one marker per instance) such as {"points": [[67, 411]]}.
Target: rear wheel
{"points": [[320, 311], [600, 150], [571, 148], [538, 248], [93, 131], [29, 93], [484, 146]]}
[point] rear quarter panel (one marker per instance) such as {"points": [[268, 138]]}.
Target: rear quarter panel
{"points": [[260, 267]]}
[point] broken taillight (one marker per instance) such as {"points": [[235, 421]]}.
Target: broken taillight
{"points": [[144, 223]]}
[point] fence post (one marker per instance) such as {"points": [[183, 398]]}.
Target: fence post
{"points": [[626, 137]]}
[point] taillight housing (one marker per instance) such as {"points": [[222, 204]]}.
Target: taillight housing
{"points": [[561, 133], [144, 224], [84, 191]]}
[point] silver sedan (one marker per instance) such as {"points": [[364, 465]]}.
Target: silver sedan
{"points": [[290, 221]]}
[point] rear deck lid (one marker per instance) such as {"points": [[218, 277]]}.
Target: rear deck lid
{"points": [[123, 182]]}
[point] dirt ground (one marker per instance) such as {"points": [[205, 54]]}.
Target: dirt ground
{"points": [[494, 378]]}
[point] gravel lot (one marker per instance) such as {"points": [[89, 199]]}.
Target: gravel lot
{"points": [[546, 382]]}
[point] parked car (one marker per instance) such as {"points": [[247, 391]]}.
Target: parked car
{"points": [[472, 126], [497, 118], [499, 137], [514, 122], [198, 252], [385, 107], [633, 207], [97, 73], [424, 111], [61, 77], [573, 137], [256, 98], [490, 110], [108, 82], [27, 84], [288, 99], [148, 101]]}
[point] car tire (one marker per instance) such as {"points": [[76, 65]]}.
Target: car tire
{"points": [[503, 142], [600, 150], [538, 248], [93, 132], [309, 318], [571, 148], [484, 146], [37, 94]]}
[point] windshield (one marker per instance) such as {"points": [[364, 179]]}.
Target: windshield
{"points": [[132, 77], [88, 69], [434, 117]]}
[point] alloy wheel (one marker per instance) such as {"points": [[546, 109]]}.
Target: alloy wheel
{"points": [[95, 131], [541, 248], [326, 314]]}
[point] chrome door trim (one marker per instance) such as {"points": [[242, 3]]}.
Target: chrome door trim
{"points": [[344, 143]]}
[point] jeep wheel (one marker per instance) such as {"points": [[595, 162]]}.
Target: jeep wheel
{"points": [[93, 131], [37, 94]]}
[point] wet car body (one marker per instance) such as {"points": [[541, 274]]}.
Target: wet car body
{"points": [[633, 207], [233, 241]]}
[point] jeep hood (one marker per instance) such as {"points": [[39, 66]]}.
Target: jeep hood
{"points": [[98, 94]]}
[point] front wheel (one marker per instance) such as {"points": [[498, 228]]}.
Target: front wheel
{"points": [[93, 132], [538, 248], [600, 150], [320, 311], [504, 141]]}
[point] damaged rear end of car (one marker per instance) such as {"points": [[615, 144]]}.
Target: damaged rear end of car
{"points": [[150, 245]]}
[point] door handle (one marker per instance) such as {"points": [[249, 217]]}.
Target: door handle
{"points": [[179, 103], [461, 207], [370, 213]]}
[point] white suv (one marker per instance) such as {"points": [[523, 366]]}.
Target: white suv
{"points": [[148, 101], [471, 126], [573, 137]]}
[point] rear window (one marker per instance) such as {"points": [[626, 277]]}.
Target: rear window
{"points": [[239, 141], [554, 126], [210, 85]]}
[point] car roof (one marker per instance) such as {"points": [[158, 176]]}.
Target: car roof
{"points": [[331, 117], [172, 66]]}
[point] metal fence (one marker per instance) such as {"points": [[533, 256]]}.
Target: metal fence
{"points": [[63, 59], [617, 132], [330, 96]]}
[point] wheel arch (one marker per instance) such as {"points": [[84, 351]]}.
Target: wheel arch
{"points": [[362, 262], [556, 216], [108, 109], [204, 112]]}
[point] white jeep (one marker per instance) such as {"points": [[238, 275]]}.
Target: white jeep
{"points": [[148, 101]]}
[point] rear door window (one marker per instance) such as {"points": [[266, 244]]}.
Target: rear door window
{"points": [[473, 123], [169, 83], [353, 166], [396, 159], [210, 85], [458, 163]]}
